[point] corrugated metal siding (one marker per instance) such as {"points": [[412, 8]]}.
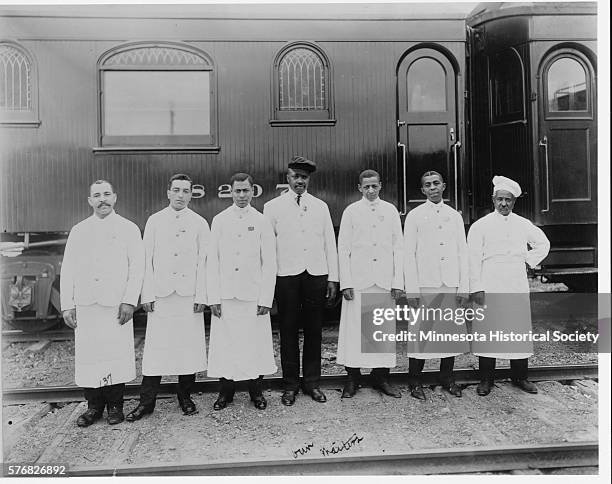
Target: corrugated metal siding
{"points": [[47, 170]]}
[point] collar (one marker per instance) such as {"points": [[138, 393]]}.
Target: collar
{"points": [[177, 213], [375, 203], [432, 205], [110, 216], [503, 216], [240, 211], [291, 194]]}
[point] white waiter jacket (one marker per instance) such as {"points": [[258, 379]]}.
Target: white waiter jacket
{"points": [[242, 258], [370, 246], [176, 243], [103, 263], [506, 238], [305, 238], [436, 251]]}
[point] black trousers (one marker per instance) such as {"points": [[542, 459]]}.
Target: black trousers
{"points": [[150, 388], [303, 295], [97, 398], [415, 369], [379, 375], [228, 387], [518, 368]]}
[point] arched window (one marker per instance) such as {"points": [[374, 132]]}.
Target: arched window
{"points": [[426, 86], [302, 86], [566, 86], [507, 91], [157, 95], [18, 86]]}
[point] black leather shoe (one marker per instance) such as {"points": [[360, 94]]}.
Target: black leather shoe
{"points": [[115, 415], [187, 405], [222, 401], [139, 412], [260, 402], [316, 394], [89, 417], [350, 388], [453, 389], [484, 388], [417, 392], [387, 389], [288, 397], [526, 386]]}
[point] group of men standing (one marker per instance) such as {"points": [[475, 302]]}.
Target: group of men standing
{"points": [[246, 258]]}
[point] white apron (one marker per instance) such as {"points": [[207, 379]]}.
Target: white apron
{"points": [[240, 342], [349, 335], [442, 297], [104, 350], [507, 308], [175, 342]]}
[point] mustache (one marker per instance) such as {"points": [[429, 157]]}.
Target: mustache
{"points": [[102, 204]]}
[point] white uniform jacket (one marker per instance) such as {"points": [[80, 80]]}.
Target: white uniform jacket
{"points": [[496, 239], [305, 238], [370, 246], [436, 251], [103, 263], [498, 248], [176, 243], [242, 258]]}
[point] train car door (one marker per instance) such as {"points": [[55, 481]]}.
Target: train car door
{"points": [[427, 124], [567, 140]]}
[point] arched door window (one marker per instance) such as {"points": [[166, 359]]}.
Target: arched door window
{"points": [[302, 90], [18, 86], [567, 89], [426, 86], [157, 95]]}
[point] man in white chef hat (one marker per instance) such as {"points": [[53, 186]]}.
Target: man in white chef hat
{"points": [[500, 245]]}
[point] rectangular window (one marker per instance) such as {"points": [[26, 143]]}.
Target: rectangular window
{"points": [[156, 107]]}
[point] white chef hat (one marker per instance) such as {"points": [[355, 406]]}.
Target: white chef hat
{"points": [[505, 183]]}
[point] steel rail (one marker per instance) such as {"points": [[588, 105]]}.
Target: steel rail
{"points": [[421, 462], [19, 336], [463, 376]]}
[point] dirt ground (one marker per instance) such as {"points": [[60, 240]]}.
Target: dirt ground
{"points": [[368, 424]]}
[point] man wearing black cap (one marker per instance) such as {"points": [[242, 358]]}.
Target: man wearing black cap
{"points": [[307, 276]]}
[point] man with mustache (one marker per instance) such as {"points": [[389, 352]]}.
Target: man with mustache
{"points": [[174, 296], [436, 277], [501, 245], [307, 262], [101, 278], [241, 272]]}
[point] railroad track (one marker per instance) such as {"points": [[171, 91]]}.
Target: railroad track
{"points": [[437, 461], [65, 334], [430, 377]]}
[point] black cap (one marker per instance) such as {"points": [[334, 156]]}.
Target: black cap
{"points": [[301, 163]]}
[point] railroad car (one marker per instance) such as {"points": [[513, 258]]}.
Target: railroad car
{"points": [[134, 94]]}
